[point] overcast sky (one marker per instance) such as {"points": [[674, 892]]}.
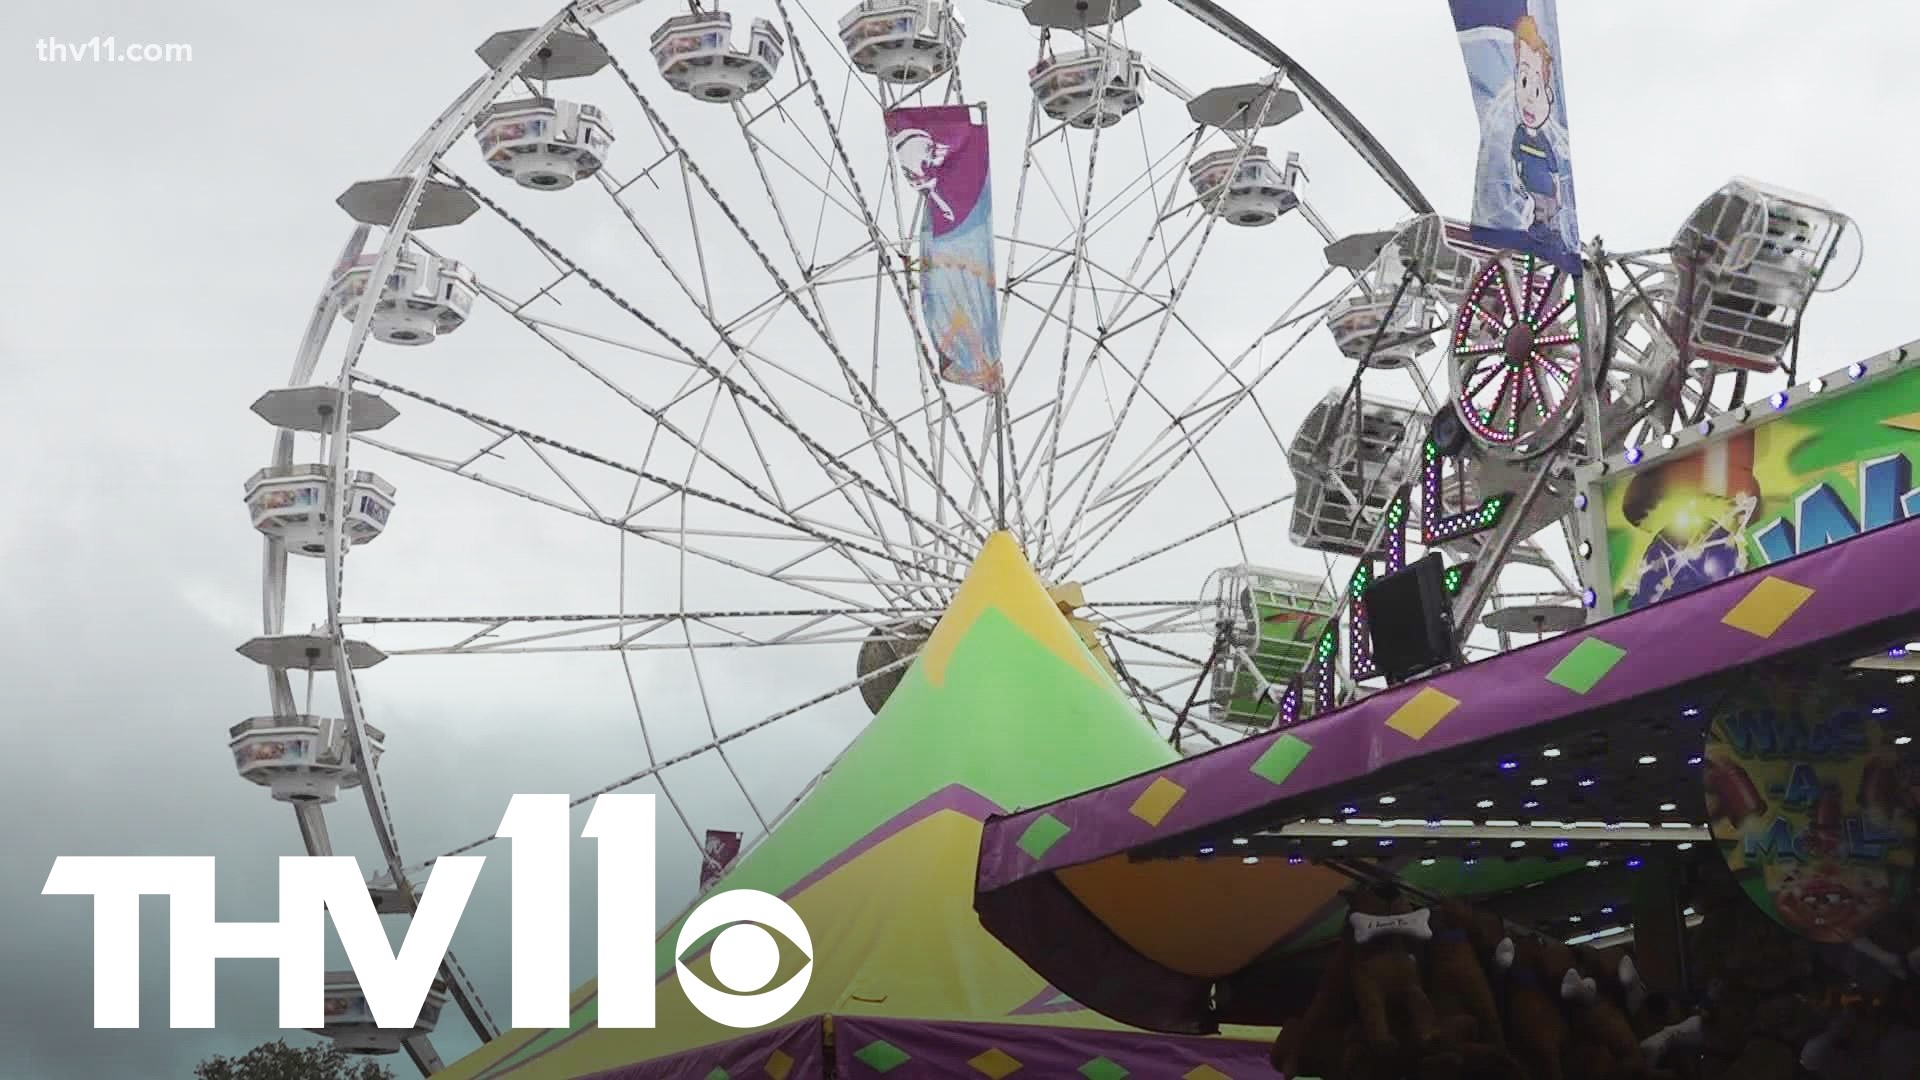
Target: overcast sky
{"points": [[175, 222]]}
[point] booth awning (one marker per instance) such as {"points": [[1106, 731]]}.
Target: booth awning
{"points": [[1166, 900]]}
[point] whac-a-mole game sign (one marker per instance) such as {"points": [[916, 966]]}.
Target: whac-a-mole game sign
{"points": [[1833, 458], [1811, 804]]}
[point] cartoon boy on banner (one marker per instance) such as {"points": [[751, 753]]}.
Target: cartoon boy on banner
{"points": [[1533, 156], [1523, 190]]}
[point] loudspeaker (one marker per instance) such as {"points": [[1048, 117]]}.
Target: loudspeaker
{"points": [[1449, 435], [1410, 618]]}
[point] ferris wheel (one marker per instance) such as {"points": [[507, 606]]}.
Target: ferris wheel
{"points": [[644, 317], [644, 343]]}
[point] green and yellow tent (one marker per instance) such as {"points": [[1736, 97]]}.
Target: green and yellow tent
{"points": [[1004, 708]]}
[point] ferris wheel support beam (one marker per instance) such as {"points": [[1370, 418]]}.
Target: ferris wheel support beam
{"points": [[1466, 611], [1189, 538], [674, 538]]}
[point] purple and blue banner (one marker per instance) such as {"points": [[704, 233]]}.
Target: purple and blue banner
{"points": [[717, 855], [1523, 187], [942, 153]]}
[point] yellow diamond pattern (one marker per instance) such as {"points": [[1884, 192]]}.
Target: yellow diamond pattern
{"points": [[1155, 803], [1421, 713], [1767, 607], [995, 1063], [779, 1064], [1205, 1072]]}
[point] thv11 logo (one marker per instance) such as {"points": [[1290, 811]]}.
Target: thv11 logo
{"points": [[743, 956]]}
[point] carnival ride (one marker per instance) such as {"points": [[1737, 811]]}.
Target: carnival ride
{"points": [[715, 260]]}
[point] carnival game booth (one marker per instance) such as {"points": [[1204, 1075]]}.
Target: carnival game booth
{"points": [[1594, 788]]}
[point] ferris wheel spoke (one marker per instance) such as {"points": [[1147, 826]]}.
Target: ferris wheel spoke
{"points": [[1511, 292], [661, 765], [1134, 389], [1545, 293], [1537, 388], [1186, 444], [861, 502], [772, 411], [877, 422], [1080, 218], [772, 499], [1104, 219], [1493, 321], [517, 634], [930, 377], [819, 330], [814, 530], [1202, 416], [1207, 530]]}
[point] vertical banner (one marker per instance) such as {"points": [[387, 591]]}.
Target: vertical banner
{"points": [[942, 153], [1523, 186], [721, 849]]}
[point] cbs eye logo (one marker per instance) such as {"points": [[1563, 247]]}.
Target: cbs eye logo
{"points": [[744, 958]]}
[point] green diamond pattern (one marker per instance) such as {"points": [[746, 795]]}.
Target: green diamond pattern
{"points": [[1284, 756], [1040, 836], [1583, 668], [719, 1074], [881, 1056], [1102, 1069]]}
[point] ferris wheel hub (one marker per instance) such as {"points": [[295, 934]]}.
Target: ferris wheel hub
{"points": [[1519, 343], [1516, 357]]}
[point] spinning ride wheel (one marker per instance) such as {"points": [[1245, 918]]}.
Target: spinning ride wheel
{"points": [[1648, 391], [1516, 361]]}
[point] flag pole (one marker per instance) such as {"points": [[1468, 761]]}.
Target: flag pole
{"points": [[1591, 360], [1000, 457]]}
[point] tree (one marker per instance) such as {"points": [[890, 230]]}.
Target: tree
{"points": [[278, 1061]]}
